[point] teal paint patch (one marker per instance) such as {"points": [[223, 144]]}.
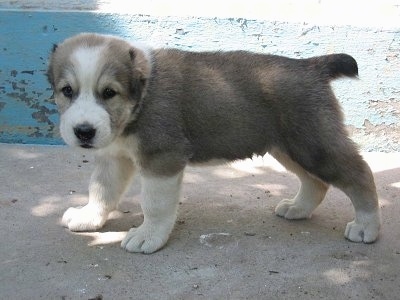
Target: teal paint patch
{"points": [[27, 115]]}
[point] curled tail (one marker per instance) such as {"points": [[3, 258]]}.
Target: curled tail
{"points": [[336, 65]]}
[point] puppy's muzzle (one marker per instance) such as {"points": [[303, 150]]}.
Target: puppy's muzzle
{"points": [[85, 133]]}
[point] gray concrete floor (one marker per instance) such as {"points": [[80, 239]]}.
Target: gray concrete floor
{"points": [[227, 243]]}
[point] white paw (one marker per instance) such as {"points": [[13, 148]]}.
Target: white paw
{"points": [[147, 238], [365, 230], [86, 218], [289, 209]]}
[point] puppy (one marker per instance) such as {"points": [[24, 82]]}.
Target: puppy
{"points": [[155, 111]]}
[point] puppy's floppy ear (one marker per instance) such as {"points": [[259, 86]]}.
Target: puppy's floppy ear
{"points": [[132, 54], [141, 73], [50, 77], [49, 74]]}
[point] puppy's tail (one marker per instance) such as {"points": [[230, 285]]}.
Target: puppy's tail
{"points": [[336, 65]]}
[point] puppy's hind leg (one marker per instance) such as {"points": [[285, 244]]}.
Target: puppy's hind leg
{"points": [[109, 180], [357, 182], [341, 165], [312, 191]]}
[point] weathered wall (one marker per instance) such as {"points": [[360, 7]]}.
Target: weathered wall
{"points": [[371, 104]]}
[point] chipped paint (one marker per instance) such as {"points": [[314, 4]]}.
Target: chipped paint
{"points": [[371, 104]]}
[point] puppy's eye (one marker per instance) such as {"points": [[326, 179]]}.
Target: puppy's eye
{"points": [[108, 93], [67, 91]]}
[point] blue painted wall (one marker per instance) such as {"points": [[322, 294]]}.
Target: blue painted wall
{"points": [[27, 115]]}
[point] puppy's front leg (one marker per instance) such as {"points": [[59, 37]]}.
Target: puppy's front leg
{"points": [[107, 183], [160, 197]]}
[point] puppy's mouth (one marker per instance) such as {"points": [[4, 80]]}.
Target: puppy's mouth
{"points": [[86, 146]]}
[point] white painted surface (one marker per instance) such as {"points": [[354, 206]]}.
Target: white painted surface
{"points": [[381, 13]]}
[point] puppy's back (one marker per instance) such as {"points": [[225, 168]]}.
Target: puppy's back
{"points": [[232, 105]]}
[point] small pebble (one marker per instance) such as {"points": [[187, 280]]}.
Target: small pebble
{"points": [[249, 233]]}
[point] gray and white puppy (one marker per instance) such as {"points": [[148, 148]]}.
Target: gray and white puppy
{"points": [[154, 111]]}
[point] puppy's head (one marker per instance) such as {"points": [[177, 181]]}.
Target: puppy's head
{"points": [[98, 81]]}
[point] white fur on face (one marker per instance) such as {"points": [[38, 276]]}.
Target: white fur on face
{"points": [[85, 109]]}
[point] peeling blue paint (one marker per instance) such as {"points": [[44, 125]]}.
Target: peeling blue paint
{"points": [[28, 115]]}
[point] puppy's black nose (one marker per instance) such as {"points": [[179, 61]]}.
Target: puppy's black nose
{"points": [[85, 132]]}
